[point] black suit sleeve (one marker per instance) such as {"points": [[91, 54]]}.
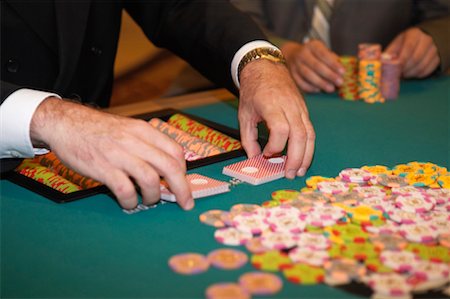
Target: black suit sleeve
{"points": [[207, 34], [6, 90]]}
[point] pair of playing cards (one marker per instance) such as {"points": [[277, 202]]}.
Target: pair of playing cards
{"points": [[257, 170], [201, 186]]}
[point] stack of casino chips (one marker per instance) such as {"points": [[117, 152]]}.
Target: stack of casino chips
{"points": [[369, 86], [390, 79], [349, 88]]}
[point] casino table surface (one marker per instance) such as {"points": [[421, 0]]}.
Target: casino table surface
{"points": [[90, 248]]}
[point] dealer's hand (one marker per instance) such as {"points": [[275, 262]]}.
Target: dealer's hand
{"points": [[313, 66], [269, 94], [113, 150], [416, 51]]}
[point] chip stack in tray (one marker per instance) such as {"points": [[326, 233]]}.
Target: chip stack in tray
{"points": [[349, 88], [386, 228]]}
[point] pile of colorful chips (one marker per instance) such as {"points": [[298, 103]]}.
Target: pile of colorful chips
{"points": [[372, 76], [386, 228]]}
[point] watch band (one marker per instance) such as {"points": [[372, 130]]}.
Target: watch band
{"points": [[271, 54]]}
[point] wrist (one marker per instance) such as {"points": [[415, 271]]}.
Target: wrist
{"points": [[270, 54], [42, 120]]}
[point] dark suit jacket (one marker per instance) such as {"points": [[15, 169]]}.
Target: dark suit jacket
{"points": [[69, 46], [354, 21]]}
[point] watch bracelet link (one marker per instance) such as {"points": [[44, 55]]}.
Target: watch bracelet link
{"points": [[271, 54]]}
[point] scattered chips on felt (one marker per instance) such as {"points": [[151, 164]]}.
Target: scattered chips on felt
{"points": [[393, 237]]}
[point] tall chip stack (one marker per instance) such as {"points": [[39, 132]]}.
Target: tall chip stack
{"points": [[369, 83], [390, 80], [349, 88]]}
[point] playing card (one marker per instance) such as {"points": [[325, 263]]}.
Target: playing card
{"points": [[257, 170], [201, 186]]}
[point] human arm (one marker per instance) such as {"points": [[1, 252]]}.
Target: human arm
{"points": [[113, 150], [424, 47], [267, 92], [108, 148]]}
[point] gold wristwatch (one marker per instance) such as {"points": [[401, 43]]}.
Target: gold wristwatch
{"points": [[271, 54]]}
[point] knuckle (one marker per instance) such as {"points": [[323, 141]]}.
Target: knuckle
{"points": [[150, 179], [280, 128], [172, 165]]}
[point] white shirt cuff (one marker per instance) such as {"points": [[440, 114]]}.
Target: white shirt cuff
{"points": [[241, 53], [16, 113]]}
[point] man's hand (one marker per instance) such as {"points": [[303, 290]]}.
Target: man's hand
{"points": [[113, 150], [313, 66], [417, 52], [268, 94]]}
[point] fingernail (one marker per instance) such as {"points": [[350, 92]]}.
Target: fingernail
{"points": [[290, 174], [301, 172], [341, 71], [190, 204]]}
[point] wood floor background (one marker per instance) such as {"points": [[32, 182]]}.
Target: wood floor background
{"points": [[142, 71]]}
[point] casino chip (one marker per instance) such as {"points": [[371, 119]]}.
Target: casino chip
{"points": [[226, 290], [420, 232], [370, 191], [377, 169], [444, 240], [189, 263], [414, 203], [232, 236], [388, 242], [309, 256], [260, 283], [313, 241], [314, 197], [355, 175], [420, 179], [391, 181], [272, 261], [304, 274], [444, 181], [346, 233], [255, 246], [400, 261], [250, 223], [342, 271], [213, 218], [276, 240], [227, 259], [388, 284], [284, 195], [312, 181], [246, 208], [333, 187]]}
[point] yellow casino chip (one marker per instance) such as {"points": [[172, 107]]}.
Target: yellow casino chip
{"points": [[420, 179], [404, 169], [312, 181], [377, 169]]}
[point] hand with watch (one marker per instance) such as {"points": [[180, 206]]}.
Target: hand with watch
{"points": [[268, 94]]}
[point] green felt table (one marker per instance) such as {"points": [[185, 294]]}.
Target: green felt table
{"points": [[90, 248]]}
